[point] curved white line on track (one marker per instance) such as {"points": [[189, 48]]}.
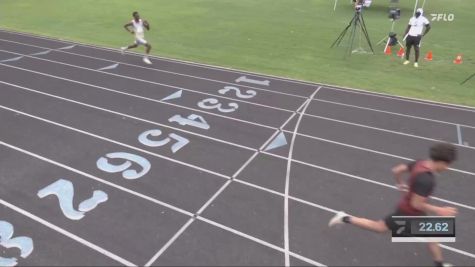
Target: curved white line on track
{"points": [[287, 179]]}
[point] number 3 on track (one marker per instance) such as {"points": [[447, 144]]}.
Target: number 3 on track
{"points": [[23, 243], [213, 103]]}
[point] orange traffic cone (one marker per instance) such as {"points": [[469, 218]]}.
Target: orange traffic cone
{"points": [[388, 50], [428, 56], [401, 52], [458, 59]]}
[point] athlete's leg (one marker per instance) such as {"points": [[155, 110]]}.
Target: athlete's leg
{"points": [[371, 225], [375, 226], [148, 47], [132, 46], [128, 47], [436, 252]]}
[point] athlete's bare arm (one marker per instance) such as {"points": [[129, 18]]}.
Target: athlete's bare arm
{"points": [[127, 27], [146, 25], [420, 203], [398, 172]]}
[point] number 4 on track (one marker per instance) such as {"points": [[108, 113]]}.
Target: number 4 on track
{"points": [[192, 120]]}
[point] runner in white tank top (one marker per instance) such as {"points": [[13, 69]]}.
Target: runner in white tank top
{"points": [[139, 27]]}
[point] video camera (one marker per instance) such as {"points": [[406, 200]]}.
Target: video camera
{"points": [[394, 13]]}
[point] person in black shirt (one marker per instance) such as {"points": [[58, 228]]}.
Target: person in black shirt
{"points": [[417, 190]]}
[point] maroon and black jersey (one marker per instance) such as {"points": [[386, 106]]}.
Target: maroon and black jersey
{"points": [[421, 182]]}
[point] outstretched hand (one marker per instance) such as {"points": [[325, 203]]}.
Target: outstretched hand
{"points": [[447, 211], [402, 187]]}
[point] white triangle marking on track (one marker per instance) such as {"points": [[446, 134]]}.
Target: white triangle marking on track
{"points": [[175, 95], [113, 66], [279, 141], [66, 47]]}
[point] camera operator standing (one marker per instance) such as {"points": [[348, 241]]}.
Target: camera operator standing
{"points": [[414, 34]]}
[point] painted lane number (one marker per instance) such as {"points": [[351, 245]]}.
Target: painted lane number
{"points": [[64, 191], [244, 79], [125, 168], [144, 138], [213, 103], [23, 243], [247, 95], [192, 120]]}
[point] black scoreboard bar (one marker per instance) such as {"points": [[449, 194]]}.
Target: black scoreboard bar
{"points": [[423, 229]]}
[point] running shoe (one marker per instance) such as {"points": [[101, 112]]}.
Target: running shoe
{"points": [[337, 219]]}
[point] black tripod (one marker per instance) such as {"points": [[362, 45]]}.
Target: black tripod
{"points": [[356, 21]]}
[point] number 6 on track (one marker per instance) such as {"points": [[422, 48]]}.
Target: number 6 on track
{"points": [[104, 165]]}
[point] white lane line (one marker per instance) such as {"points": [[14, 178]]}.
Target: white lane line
{"points": [[382, 130], [423, 103], [211, 138], [223, 116], [392, 113], [462, 252], [136, 96], [287, 180], [117, 143], [169, 243], [41, 53], [257, 240], [366, 179], [216, 139], [215, 195], [159, 203], [373, 151], [11, 59], [159, 70], [283, 195], [403, 98], [95, 178], [131, 117], [222, 141], [459, 135], [176, 208], [147, 81], [68, 234], [219, 140], [237, 71]]}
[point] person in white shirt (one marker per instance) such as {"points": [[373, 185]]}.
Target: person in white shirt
{"points": [[414, 34], [139, 25]]}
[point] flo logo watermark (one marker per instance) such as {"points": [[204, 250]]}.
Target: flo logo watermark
{"points": [[443, 17]]}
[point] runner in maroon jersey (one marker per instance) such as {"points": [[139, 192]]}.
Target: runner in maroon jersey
{"points": [[420, 186]]}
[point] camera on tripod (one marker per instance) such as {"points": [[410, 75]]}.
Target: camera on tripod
{"points": [[358, 8], [394, 13]]}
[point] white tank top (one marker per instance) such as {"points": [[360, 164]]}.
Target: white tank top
{"points": [[138, 28]]}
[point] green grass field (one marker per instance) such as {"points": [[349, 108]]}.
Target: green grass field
{"points": [[288, 38]]}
